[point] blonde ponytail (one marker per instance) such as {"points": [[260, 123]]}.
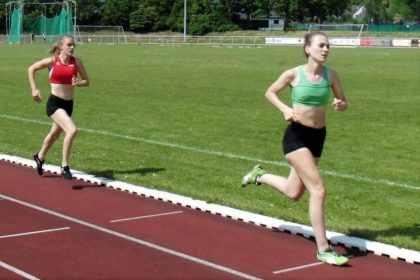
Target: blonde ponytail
{"points": [[55, 49]]}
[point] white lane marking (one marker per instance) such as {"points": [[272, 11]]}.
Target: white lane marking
{"points": [[133, 239], [33, 232], [225, 154], [302, 266], [145, 217], [297, 267], [17, 271]]}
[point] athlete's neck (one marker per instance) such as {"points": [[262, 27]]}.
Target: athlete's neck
{"points": [[64, 58]]}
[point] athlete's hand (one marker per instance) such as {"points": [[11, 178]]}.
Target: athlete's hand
{"points": [[339, 105], [290, 115], [74, 81], [36, 95]]}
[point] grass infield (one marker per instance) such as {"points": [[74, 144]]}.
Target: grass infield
{"points": [[193, 119]]}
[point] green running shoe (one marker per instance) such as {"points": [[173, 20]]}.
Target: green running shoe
{"points": [[331, 257], [252, 176]]}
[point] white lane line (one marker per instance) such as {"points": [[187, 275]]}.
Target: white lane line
{"points": [[18, 271], [224, 154], [33, 232], [133, 239], [302, 266], [145, 217], [297, 267]]}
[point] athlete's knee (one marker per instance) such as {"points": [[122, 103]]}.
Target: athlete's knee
{"points": [[294, 192], [319, 191], [295, 197], [72, 132]]}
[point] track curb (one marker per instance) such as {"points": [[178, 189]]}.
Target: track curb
{"points": [[393, 252]]}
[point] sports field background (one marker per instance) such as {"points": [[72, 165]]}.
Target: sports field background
{"points": [[193, 119]]}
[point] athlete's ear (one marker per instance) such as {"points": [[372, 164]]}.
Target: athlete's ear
{"points": [[306, 50]]}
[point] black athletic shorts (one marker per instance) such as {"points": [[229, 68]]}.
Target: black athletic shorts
{"points": [[299, 136], [54, 103]]}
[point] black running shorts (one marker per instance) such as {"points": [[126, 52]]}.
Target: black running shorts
{"points": [[54, 103], [299, 136]]}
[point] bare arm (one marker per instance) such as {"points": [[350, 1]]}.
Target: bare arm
{"points": [[273, 91], [84, 81], [340, 102], [44, 63]]}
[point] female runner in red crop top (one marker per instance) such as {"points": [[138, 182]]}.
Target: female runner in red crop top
{"points": [[63, 70], [304, 138]]}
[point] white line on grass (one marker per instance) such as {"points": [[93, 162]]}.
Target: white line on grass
{"points": [[33, 232], [17, 271], [145, 217], [223, 154], [132, 239]]}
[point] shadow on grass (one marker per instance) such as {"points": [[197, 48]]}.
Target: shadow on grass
{"points": [[110, 174], [408, 231]]}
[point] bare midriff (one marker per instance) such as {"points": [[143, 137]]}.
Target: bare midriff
{"points": [[63, 91], [310, 116]]}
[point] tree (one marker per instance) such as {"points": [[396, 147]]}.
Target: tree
{"points": [[151, 15], [225, 16], [89, 12], [117, 12], [3, 16], [398, 12], [176, 17], [316, 10], [415, 8], [376, 10], [199, 20]]}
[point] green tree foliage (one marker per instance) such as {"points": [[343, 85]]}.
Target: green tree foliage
{"points": [[89, 12], [205, 16], [176, 17], [151, 15], [415, 8], [117, 12], [315, 10], [392, 11], [199, 19], [3, 16]]}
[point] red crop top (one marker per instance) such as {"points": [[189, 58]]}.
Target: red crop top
{"points": [[62, 73]]}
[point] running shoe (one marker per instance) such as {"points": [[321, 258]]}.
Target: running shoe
{"points": [[252, 176], [331, 257], [65, 171], [39, 164]]}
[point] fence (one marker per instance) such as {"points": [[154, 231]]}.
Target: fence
{"points": [[231, 40], [376, 27]]}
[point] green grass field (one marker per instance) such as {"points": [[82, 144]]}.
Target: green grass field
{"points": [[193, 119]]}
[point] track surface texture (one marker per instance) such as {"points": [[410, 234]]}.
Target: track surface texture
{"points": [[52, 228]]}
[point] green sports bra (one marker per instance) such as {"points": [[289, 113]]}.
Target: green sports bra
{"points": [[309, 93]]}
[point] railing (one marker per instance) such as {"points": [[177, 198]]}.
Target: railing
{"points": [[168, 39], [226, 40]]}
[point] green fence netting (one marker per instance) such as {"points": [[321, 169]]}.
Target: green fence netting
{"points": [[58, 25]]}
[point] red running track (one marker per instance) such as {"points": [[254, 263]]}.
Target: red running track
{"points": [[53, 228]]}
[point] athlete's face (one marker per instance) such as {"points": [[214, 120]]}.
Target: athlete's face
{"points": [[319, 48], [67, 46]]}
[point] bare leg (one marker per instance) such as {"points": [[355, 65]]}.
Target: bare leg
{"points": [[307, 170], [304, 172], [49, 140], [292, 187], [63, 120]]}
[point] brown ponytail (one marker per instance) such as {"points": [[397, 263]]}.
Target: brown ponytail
{"points": [[309, 38]]}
